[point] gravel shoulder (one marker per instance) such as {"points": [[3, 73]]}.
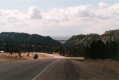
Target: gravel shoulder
{"points": [[98, 70]]}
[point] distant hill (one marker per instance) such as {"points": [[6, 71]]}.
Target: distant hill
{"points": [[62, 41], [60, 37], [23, 42], [94, 45]]}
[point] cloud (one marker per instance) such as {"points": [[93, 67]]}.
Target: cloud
{"points": [[35, 13], [61, 21]]}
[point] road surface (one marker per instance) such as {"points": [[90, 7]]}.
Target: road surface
{"points": [[51, 69], [59, 69]]}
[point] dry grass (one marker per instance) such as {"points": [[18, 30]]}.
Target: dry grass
{"points": [[10, 58], [99, 70], [15, 57]]}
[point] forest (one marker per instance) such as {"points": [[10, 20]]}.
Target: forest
{"points": [[95, 46], [13, 42], [92, 46]]}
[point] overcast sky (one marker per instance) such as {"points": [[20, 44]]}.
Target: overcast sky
{"points": [[59, 17]]}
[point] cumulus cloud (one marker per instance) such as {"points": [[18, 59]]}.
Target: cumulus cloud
{"points": [[64, 21], [35, 13]]}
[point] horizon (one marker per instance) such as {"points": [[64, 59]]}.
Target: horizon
{"points": [[59, 18], [61, 37]]}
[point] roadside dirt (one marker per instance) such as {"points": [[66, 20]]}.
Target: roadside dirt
{"points": [[98, 70]]}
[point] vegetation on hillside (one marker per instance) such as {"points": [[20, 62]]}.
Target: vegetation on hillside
{"points": [[22, 42], [94, 46]]}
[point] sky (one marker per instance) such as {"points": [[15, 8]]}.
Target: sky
{"points": [[59, 17]]}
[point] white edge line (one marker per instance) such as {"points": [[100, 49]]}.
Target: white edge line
{"points": [[45, 69]]}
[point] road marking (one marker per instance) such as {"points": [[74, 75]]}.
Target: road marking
{"points": [[45, 69]]}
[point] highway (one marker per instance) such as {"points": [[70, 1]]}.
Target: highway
{"points": [[59, 69], [49, 69]]}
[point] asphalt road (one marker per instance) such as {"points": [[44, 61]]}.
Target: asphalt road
{"points": [[60, 70], [39, 70]]}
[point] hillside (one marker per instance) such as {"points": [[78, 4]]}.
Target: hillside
{"points": [[23, 42], [94, 45]]}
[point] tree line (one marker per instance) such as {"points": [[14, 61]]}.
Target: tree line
{"points": [[13, 42], [94, 46]]}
